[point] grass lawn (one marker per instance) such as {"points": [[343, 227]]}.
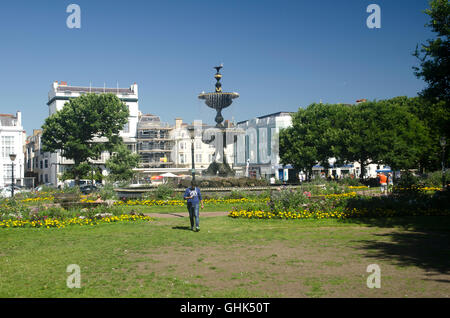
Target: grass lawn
{"points": [[230, 258]]}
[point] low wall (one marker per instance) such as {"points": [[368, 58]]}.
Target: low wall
{"points": [[132, 193]]}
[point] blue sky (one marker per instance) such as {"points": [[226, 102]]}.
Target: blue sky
{"points": [[279, 55]]}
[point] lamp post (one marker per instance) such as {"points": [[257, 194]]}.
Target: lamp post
{"points": [[192, 135], [443, 143], [12, 156]]}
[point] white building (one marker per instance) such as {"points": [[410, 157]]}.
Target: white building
{"points": [[12, 140], [258, 146], [204, 154], [60, 93]]}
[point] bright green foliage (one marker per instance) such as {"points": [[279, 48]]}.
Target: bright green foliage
{"points": [[434, 56], [313, 137], [72, 129], [121, 164], [385, 132]]}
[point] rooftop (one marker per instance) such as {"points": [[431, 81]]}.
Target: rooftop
{"points": [[277, 114], [8, 120], [79, 89]]}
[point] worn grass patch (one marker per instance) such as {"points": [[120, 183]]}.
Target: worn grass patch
{"points": [[229, 258]]}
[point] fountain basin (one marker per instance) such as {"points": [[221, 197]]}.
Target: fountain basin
{"points": [[218, 100]]}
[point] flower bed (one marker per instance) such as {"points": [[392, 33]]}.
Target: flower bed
{"points": [[61, 223], [291, 205], [345, 214]]}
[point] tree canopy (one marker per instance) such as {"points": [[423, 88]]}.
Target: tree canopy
{"points": [[121, 164], [85, 127], [383, 132], [434, 56]]}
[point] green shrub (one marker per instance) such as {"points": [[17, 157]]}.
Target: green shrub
{"points": [[350, 181], [107, 192], [164, 192], [434, 179]]}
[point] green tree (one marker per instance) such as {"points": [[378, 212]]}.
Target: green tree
{"points": [[384, 132], [85, 127], [435, 116], [434, 56], [83, 171], [314, 136], [121, 164], [406, 138]]}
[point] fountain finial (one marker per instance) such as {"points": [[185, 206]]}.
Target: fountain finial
{"points": [[218, 77]]}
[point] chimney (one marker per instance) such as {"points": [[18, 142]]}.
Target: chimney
{"points": [[19, 118], [178, 123]]}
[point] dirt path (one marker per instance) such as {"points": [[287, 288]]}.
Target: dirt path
{"points": [[184, 214]]}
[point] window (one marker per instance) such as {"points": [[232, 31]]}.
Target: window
{"points": [[198, 158], [126, 128], [41, 165], [8, 173], [182, 158], [7, 146], [198, 144], [46, 178], [46, 163], [182, 145]]}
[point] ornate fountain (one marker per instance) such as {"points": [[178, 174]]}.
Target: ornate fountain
{"points": [[219, 100]]}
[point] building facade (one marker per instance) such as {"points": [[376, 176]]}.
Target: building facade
{"points": [[256, 148], [60, 93], [37, 167], [154, 143], [12, 141]]}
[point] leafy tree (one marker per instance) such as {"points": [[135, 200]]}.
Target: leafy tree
{"points": [[405, 136], [361, 142], [313, 137], [83, 171], [434, 116], [435, 54], [85, 127], [121, 164], [384, 132]]}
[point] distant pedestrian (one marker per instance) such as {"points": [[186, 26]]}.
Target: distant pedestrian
{"points": [[383, 182], [194, 200], [272, 180], [390, 182]]}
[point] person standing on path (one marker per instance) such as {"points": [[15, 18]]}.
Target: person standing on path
{"points": [[194, 200], [390, 182], [383, 182]]}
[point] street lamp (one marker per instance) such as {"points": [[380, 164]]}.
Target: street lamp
{"points": [[12, 156], [443, 143], [192, 135]]}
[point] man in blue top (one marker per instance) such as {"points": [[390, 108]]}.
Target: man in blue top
{"points": [[194, 198]]}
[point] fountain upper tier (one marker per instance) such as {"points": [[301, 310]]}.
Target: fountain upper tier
{"points": [[218, 100]]}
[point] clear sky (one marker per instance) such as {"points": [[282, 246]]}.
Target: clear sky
{"points": [[278, 55]]}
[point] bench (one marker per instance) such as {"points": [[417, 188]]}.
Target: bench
{"points": [[67, 200]]}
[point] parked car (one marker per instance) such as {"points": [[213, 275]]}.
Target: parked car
{"points": [[6, 191], [71, 183], [87, 189], [43, 186]]}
